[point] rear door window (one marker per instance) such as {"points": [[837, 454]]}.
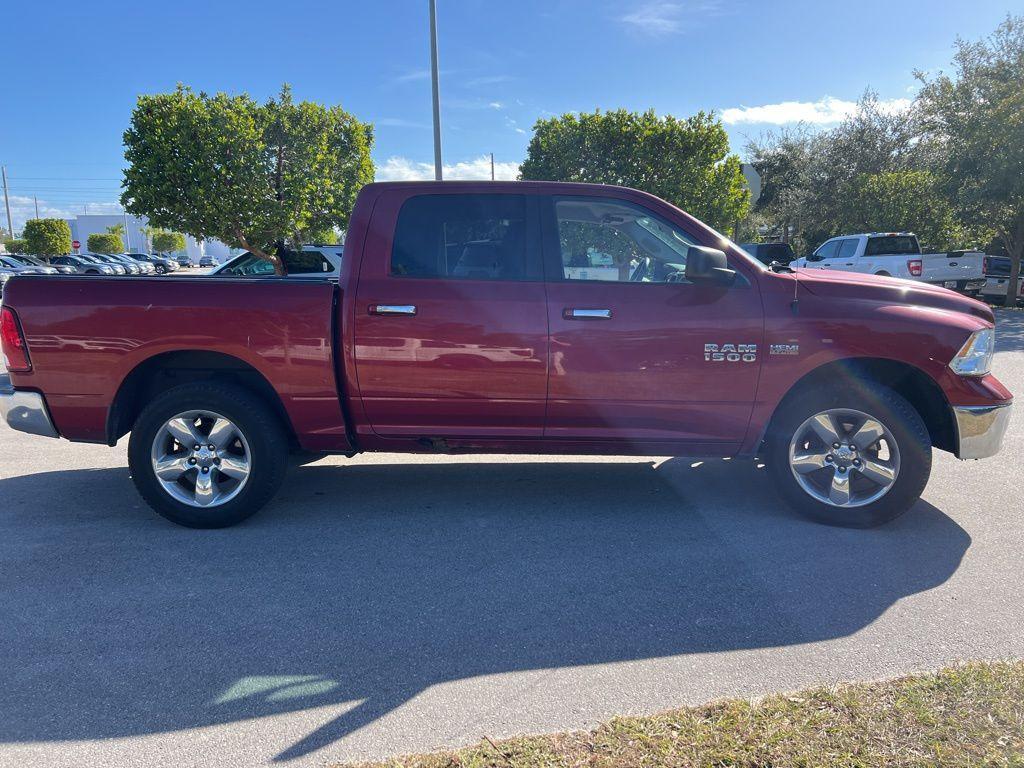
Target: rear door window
{"points": [[464, 237]]}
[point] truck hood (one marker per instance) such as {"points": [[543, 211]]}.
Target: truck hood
{"points": [[853, 285]]}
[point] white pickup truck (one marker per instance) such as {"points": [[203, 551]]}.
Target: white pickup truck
{"points": [[898, 254]]}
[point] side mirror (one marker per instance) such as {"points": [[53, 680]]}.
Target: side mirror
{"points": [[708, 265]]}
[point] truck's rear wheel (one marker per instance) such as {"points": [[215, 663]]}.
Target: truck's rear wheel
{"points": [[207, 455], [853, 457]]}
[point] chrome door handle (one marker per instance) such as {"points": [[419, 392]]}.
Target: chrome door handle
{"points": [[570, 313], [392, 309]]}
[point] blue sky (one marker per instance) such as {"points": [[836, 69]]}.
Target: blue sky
{"points": [[72, 70]]}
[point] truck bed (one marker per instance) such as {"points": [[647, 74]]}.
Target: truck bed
{"points": [[89, 335]]}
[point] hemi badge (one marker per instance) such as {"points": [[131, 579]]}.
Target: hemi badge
{"points": [[784, 349]]}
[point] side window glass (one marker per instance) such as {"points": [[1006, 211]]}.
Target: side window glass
{"points": [[306, 263], [463, 237], [617, 241], [848, 248], [828, 250]]}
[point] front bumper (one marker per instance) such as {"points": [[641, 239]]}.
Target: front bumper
{"points": [[25, 411], [980, 429]]}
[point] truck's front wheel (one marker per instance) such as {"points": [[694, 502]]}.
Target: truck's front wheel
{"points": [[207, 455], [854, 457]]}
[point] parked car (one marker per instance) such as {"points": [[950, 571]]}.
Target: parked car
{"points": [[134, 267], [5, 275], [183, 259], [997, 280], [461, 325], [898, 254], [32, 261], [105, 258], [83, 265], [312, 260], [17, 266], [766, 253], [161, 264], [207, 261]]}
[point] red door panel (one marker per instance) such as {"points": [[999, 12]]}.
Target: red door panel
{"points": [[470, 358], [641, 374]]}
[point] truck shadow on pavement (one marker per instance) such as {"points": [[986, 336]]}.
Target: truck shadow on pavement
{"points": [[366, 584]]}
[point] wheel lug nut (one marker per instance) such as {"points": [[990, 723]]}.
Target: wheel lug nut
{"points": [[835, 445], [192, 460], [195, 447], [829, 457], [205, 470], [211, 447]]}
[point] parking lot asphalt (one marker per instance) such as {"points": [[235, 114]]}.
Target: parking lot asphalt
{"points": [[389, 604]]}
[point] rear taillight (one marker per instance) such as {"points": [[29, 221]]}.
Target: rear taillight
{"points": [[12, 342], [984, 265], [914, 266]]}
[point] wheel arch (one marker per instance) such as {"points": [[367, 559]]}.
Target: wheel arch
{"points": [[909, 381], [162, 371]]}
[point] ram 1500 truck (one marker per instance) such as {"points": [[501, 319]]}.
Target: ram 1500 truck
{"points": [[511, 317], [898, 254]]}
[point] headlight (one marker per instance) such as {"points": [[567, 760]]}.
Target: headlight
{"points": [[975, 356], [106, 270]]}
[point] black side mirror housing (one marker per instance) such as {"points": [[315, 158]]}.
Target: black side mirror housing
{"points": [[708, 265]]}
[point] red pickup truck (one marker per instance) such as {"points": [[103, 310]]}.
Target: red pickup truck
{"points": [[511, 317]]}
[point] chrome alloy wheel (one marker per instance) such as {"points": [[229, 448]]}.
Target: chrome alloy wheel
{"points": [[844, 458], [201, 458]]}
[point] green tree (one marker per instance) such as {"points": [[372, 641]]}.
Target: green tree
{"points": [[901, 201], [976, 118], [15, 246], [104, 242], [47, 237], [168, 242], [256, 176], [684, 161]]}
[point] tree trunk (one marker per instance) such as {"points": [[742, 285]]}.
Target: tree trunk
{"points": [[1014, 249], [273, 258], [1011, 289]]}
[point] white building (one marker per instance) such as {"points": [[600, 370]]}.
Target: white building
{"points": [[86, 224]]}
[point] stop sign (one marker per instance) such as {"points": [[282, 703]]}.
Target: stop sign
{"points": [[75, 244]]}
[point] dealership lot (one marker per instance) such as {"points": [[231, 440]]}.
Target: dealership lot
{"points": [[390, 604]]}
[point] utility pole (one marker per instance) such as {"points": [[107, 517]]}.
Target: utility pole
{"points": [[492, 166], [127, 237], [7, 203], [35, 199], [435, 89]]}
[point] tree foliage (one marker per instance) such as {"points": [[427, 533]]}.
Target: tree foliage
{"points": [[104, 242], [256, 176], [684, 161], [903, 201], [165, 241], [16, 246], [975, 121], [47, 237]]}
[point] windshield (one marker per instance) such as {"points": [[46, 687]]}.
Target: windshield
{"points": [[28, 261]]}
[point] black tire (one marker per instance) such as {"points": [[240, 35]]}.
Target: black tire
{"points": [[883, 404], [263, 433]]}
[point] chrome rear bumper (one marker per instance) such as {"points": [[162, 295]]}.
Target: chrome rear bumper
{"points": [[980, 429], [25, 411]]}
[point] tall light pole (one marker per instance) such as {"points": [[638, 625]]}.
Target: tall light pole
{"points": [[127, 236], [436, 90], [7, 203]]}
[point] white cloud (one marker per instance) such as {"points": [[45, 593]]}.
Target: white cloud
{"points": [[496, 105], [23, 208], [822, 112], [660, 17], [403, 169], [477, 82]]}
